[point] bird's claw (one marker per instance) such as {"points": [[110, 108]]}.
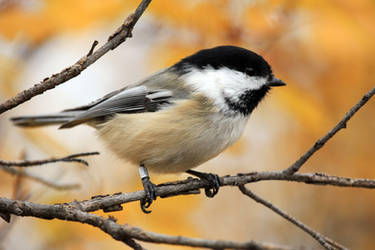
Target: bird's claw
{"points": [[150, 191], [213, 182], [213, 185]]}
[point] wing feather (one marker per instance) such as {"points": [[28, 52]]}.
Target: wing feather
{"points": [[128, 100]]}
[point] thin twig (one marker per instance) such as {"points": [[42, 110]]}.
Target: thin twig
{"points": [[133, 244], [123, 32], [69, 158], [40, 179], [323, 240], [119, 232], [320, 143], [94, 44]]}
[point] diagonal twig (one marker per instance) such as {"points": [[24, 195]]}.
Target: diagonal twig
{"points": [[320, 143], [326, 242], [133, 244], [39, 179], [121, 34], [69, 158], [6, 166]]}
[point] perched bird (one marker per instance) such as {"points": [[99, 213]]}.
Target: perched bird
{"points": [[178, 118]]}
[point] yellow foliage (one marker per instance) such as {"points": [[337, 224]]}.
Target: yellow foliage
{"points": [[327, 43], [204, 17], [51, 17], [306, 109]]}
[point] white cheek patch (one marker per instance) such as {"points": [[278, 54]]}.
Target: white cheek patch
{"points": [[224, 82]]}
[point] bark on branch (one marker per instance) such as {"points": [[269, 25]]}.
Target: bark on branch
{"points": [[79, 210], [121, 34], [188, 186], [123, 233]]}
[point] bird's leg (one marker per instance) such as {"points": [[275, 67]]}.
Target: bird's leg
{"points": [[149, 187], [213, 181]]}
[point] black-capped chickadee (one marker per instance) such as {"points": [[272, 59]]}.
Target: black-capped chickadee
{"points": [[178, 118]]}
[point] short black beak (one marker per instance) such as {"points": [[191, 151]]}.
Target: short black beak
{"points": [[274, 82]]}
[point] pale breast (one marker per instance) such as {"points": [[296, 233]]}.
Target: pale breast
{"points": [[173, 140]]}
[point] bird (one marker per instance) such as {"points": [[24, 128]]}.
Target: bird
{"points": [[177, 118]]}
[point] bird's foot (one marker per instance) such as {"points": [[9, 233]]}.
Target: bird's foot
{"points": [[150, 190], [213, 182], [149, 187]]}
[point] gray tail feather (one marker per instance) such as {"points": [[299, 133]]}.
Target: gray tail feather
{"points": [[45, 120]]}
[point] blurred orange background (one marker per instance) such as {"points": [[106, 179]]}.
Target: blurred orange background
{"points": [[323, 49]]}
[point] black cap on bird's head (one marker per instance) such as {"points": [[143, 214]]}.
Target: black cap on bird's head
{"points": [[241, 93], [232, 57]]}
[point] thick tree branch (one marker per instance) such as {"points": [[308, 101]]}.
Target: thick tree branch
{"points": [[113, 202], [326, 242], [121, 34], [320, 143], [69, 158], [119, 232]]}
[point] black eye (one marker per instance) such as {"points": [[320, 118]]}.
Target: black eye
{"points": [[250, 71]]}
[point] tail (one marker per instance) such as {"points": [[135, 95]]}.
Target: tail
{"points": [[45, 120]]}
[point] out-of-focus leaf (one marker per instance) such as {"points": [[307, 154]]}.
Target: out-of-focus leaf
{"points": [[306, 109], [51, 17]]}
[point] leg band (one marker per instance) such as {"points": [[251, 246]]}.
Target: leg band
{"points": [[143, 173]]}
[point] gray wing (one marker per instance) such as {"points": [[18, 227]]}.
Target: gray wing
{"points": [[128, 100]]}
